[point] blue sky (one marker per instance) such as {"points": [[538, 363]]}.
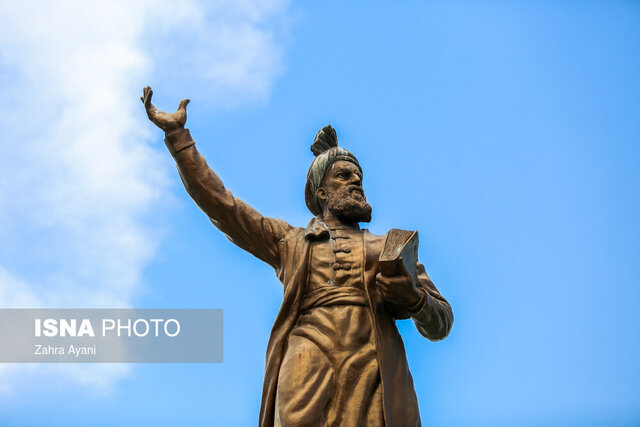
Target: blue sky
{"points": [[506, 133]]}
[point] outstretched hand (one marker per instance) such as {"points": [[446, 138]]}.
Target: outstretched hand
{"points": [[165, 121]]}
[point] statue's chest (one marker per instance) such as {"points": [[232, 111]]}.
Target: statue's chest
{"points": [[337, 261]]}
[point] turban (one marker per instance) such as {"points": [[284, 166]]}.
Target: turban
{"points": [[325, 148]]}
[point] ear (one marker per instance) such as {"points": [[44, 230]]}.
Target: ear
{"points": [[321, 194]]}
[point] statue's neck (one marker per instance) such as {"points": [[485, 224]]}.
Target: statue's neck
{"points": [[332, 221]]}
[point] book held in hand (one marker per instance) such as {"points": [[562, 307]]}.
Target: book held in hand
{"points": [[401, 247]]}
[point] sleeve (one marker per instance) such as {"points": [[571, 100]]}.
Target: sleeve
{"points": [[244, 226], [432, 314]]}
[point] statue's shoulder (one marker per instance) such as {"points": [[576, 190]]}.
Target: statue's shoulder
{"points": [[295, 233], [373, 237]]}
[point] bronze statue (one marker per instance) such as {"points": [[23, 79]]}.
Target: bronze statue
{"points": [[335, 356]]}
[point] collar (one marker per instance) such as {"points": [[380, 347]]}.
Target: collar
{"points": [[316, 230], [319, 230]]}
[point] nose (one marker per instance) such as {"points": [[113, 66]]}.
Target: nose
{"points": [[356, 180]]}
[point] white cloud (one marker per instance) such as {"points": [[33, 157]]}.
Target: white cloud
{"points": [[229, 50], [79, 179]]}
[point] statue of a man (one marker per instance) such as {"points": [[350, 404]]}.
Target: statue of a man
{"points": [[335, 356]]}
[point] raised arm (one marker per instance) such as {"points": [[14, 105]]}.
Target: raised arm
{"points": [[243, 225]]}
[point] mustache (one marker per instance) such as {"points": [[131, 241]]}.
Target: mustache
{"points": [[351, 188]]}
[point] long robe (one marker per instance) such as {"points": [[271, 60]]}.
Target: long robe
{"points": [[286, 249], [330, 358]]}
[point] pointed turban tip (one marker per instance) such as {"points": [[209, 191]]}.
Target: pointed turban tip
{"points": [[325, 139]]}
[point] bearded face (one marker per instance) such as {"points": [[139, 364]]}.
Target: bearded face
{"points": [[349, 203], [345, 197]]}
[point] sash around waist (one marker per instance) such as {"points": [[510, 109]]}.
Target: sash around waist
{"points": [[334, 295]]}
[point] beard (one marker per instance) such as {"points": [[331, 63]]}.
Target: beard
{"points": [[349, 203]]}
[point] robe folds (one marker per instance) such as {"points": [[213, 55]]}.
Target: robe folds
{"points": [[287, 249]]}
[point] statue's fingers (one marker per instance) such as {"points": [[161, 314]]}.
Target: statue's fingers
{"points": [[383, 285], [388, 297], [147, 98], [183, 104], [145, 94]]}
